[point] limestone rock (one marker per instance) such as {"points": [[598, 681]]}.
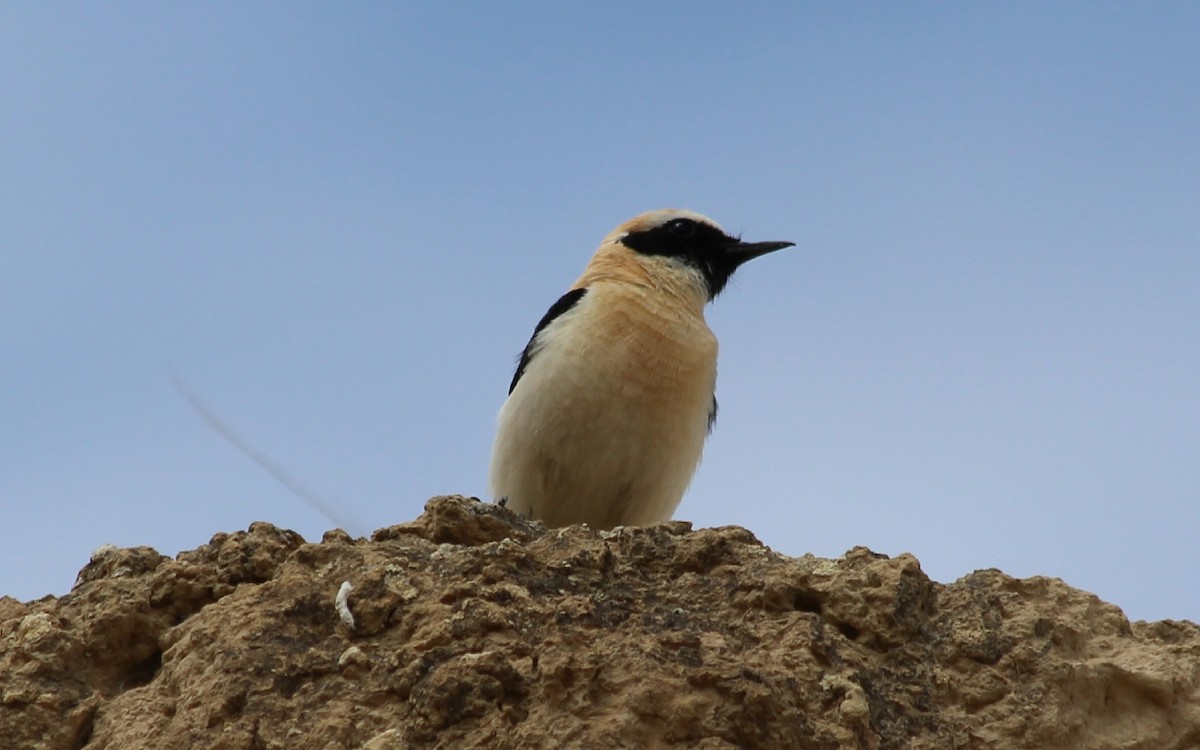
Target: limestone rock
{"points": [[475, 629]]}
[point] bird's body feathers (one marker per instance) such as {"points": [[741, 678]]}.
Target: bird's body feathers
{"points": [[614, 394]]}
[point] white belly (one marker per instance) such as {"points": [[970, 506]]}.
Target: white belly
{"points": [[606, 431]]}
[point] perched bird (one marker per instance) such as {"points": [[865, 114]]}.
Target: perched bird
{"points": [[613, 396]]}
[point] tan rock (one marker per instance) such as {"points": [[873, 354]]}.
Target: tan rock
{"points": [[474, 629]]}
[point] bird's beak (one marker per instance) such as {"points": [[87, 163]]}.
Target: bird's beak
{"points": [[744, 251]]}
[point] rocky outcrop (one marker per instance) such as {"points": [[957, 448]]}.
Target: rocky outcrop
{"points": [[474, 629]]}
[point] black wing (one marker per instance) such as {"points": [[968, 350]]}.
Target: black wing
{"points": [[565, 302], [712, 414]]}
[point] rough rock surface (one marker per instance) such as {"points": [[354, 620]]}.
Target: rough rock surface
{"points": [[477, 630]]}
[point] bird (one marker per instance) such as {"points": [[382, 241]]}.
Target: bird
{"points": [[615, 393]]}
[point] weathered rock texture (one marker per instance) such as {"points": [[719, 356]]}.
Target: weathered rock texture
{"points": [[477, 630]]}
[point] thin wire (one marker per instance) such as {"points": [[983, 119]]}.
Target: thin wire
{"points": [[310, 498]]}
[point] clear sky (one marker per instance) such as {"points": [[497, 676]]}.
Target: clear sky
{"points": [[340, 222]]}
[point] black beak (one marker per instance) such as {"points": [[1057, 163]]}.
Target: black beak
{"points": [[744, 251]]}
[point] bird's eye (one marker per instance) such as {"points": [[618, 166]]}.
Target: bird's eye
{"points": [[681, 228]]}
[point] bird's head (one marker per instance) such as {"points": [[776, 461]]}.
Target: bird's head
{"points": [[687, 242]]}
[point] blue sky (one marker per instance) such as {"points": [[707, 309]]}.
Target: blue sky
{"points": [[339, 223]]}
